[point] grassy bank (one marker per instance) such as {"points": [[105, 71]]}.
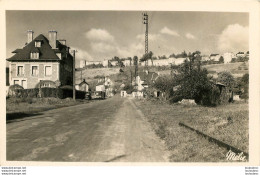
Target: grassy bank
{"points": [[185, 145]]}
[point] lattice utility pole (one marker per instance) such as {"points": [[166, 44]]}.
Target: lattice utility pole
{"points": [[145, 21]]}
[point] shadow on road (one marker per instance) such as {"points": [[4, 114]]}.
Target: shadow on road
{"points": [[12, 117]]}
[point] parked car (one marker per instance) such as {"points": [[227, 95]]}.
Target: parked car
{"points": [[98, 95]]}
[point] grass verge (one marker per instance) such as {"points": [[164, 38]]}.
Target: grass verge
{"points": [[25, 107], [227, 123]]}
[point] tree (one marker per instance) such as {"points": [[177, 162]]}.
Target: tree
{"points": [[162, 57], [135, 60], [192, 81], [226, 78], [172, 55], [147, 56], [221, 59]]}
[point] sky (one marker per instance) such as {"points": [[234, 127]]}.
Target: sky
{"points": [[99, 35]]}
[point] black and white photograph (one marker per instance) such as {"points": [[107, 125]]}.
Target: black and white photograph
{"points": [[132, 86]]}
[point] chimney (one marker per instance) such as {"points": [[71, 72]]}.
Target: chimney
{"points": [[63, 41], [29, 36], [52, 38]]}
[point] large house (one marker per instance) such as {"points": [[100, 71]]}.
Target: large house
{"points": [[41, 59]]}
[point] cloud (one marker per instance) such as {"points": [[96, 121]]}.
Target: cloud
{"points": [[190, 36], [82, 54], [234, 38], [103, 47], [99, 35], [168, 31], [151, 37]]}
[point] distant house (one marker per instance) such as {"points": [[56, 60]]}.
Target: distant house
{"points": [[114, 63], [100, 86], [162, 62], [240, 54], [84, 63], [179, 61], [83, 86], [109, 87], [41, 59], [214, 57], [105, 63], [127, 62], [228, 57], [145, 79], [205, 58]]}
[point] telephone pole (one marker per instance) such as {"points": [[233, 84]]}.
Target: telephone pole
{"points": [[145, 21], [73, 71]]}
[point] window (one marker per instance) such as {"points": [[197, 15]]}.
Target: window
{"points": [[37, 43], [16, 82], [47, 70], [19, 70], [34, 55], [34, 70]]}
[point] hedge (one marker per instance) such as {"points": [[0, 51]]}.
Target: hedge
{"points": [[48, 92]]}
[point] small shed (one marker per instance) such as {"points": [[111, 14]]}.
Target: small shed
{"points": [[83, 86]]}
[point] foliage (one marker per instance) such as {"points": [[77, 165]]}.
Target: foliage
{"points": [[172, 55], [162, 57], [226, 78], [192, 82], [221, 59], [182, 55], [135, 60], [164, 84], [94, 66], [242, 86], [147, 56], [48, 92], [128, 88]]}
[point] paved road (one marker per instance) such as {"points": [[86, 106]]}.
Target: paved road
{"points": [[101, 131]]}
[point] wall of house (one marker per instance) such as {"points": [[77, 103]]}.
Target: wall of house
{"points": [[29, 80], [66, 70]]}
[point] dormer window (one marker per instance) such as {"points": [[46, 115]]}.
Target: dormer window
{"points": [[34, 55], [38, 43]]}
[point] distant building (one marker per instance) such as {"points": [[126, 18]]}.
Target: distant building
{"points": [[114, 63], [127, 62], [105, 63], [205, 58], [41, 59], [144, 79], [228, 57], [83, 86], [240, 54], [179, 61], [84, 63], [162, 62], [214, 57]]}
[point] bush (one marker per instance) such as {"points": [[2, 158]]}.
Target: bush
{"points": [[48, 92]]}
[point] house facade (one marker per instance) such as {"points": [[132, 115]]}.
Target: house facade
{"points": [[41, 59]]}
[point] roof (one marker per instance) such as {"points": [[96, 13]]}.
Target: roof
{"points": [[100, 83], [45, 51], [83, 82], [213, 55]]}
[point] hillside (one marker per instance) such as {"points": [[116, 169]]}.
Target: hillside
{"points": [[92, 75]]}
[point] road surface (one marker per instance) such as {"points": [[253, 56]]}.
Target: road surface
{"points": [[102, 131]]}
